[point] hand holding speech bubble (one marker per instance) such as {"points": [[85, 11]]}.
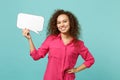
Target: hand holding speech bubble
{"points": [[31, 22]]}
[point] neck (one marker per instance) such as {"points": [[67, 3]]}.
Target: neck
{"points": [[65, 36]]}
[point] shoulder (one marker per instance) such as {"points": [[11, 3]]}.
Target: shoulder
{"points": [[51, 37], [79, 42]]}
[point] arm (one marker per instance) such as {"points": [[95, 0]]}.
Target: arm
{"points": [[31, 44], [33, 52], [87, 56], [26, 33], [78, 69], [36, 54]]}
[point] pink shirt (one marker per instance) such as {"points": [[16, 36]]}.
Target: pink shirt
{"points": [[61, 57]]}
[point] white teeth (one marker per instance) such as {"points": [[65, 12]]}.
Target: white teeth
{"points": [[62, 28]]}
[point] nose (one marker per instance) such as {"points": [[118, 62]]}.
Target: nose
{"points": [[61, 24]]}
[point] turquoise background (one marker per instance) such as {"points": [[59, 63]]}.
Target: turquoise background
{"points": [[100, 21]]}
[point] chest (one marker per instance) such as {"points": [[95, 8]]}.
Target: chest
{"points": [[59, 50]]}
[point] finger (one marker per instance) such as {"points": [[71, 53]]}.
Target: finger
{"points": [[26, 32], [23, 30], [70, 71]]}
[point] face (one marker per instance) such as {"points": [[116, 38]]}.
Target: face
{"points": [[63, 24]]}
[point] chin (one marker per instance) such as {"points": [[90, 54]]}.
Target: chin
{"points": [[64, 32]]}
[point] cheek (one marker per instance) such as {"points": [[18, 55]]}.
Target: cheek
{"points": [[58, 26], [68, 26]]}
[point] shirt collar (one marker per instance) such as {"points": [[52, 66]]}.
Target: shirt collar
{"points": [[72, 41]]}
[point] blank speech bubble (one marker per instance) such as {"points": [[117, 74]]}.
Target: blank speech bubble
{"points": [[31, 22]]}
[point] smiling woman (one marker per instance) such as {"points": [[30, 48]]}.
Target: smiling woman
{"points": [[63, 47], [63, 24], [67, 17]]}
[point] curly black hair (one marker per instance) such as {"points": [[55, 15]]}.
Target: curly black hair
{"points": [[74, 24]]}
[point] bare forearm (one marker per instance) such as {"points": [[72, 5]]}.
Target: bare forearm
{"points": [[26, 33], [78, 69], [81, 67], [31, 44]]}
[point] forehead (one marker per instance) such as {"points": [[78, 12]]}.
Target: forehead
{"points": [[62, 17]]}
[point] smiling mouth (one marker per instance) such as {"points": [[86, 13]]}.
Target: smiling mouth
{"points": [[63, 28]]}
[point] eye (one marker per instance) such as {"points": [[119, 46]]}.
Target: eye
{"points": [[58, 22], [65, 21]]}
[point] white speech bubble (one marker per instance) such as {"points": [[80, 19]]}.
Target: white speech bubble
{"points": [[31, 22]]}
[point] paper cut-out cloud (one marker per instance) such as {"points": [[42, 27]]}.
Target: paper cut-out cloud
{"points": [[31, 22]]}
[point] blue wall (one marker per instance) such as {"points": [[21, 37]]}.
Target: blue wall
{"points": [[100, 21]]}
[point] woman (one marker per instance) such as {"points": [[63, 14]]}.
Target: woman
{"points": [[63, 47]]}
